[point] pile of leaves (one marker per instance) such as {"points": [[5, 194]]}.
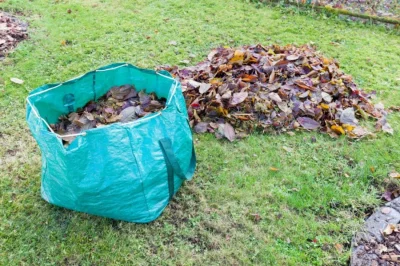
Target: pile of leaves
{"points": [[381, 8], [388, 250], [275, 88], [12, 31], [120, 104]]}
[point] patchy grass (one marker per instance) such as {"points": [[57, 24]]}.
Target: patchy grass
{"points": [[316, 200]]}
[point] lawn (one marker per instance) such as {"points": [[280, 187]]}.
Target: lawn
{"points": [[236, 211]]}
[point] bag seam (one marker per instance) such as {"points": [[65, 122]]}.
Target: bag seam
{"points": [[140, 172]]}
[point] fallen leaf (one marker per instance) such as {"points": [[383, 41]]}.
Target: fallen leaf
{"points": [[212, 54], [394, 175], [201, 127], [174, 43], [128, 114], [229, 132], [339, 247], [389, 229], [204, 87], [387, 128], [275, 97], [387, 195], [17, 80], [327, 97], [238, 98], [237, 58], [273, 169], [272, 77], [308, 123], [288, 149], [194, 83], [372, 169], [338, 130], [292, 57], [348, 117], [393, 258]]}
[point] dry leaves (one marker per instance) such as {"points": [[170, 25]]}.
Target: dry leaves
{"points": [[12, 31], [275, 88], [387, 250], [120, 104]]}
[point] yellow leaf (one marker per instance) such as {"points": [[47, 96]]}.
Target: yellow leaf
{"points": [[271, 52], [324, 106], [237, 58], [222, 111], [216, 81], [372, 169], [349, 128], [273, 169], [325, 61], [338, 130], [63, 42], [394, 175]]}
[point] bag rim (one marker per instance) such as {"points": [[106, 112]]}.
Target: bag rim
{"points": [[171, 94]]}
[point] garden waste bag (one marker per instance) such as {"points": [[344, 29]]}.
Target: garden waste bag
{"points": [[125, 171]]}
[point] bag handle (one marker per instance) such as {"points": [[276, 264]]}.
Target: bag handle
{"points": [[173, 167]]}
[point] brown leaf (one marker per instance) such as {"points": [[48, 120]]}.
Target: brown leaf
{"points": [[339, 247], [389, 229], [229, 132], [308, 123], [272, 77], [238, 97]]}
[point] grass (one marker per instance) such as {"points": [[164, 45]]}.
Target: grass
{"points": [[308, 209]]}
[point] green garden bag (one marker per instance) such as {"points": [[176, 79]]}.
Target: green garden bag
{"points": [[125, 171]]}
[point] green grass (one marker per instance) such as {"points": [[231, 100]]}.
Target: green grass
{"points": [[320, 192]]}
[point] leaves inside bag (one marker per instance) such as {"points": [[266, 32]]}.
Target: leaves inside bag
{"points": [[120, 104]]}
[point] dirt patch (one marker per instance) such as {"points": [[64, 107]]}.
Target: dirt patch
{"points": [[12, 31], [378, 243]]}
